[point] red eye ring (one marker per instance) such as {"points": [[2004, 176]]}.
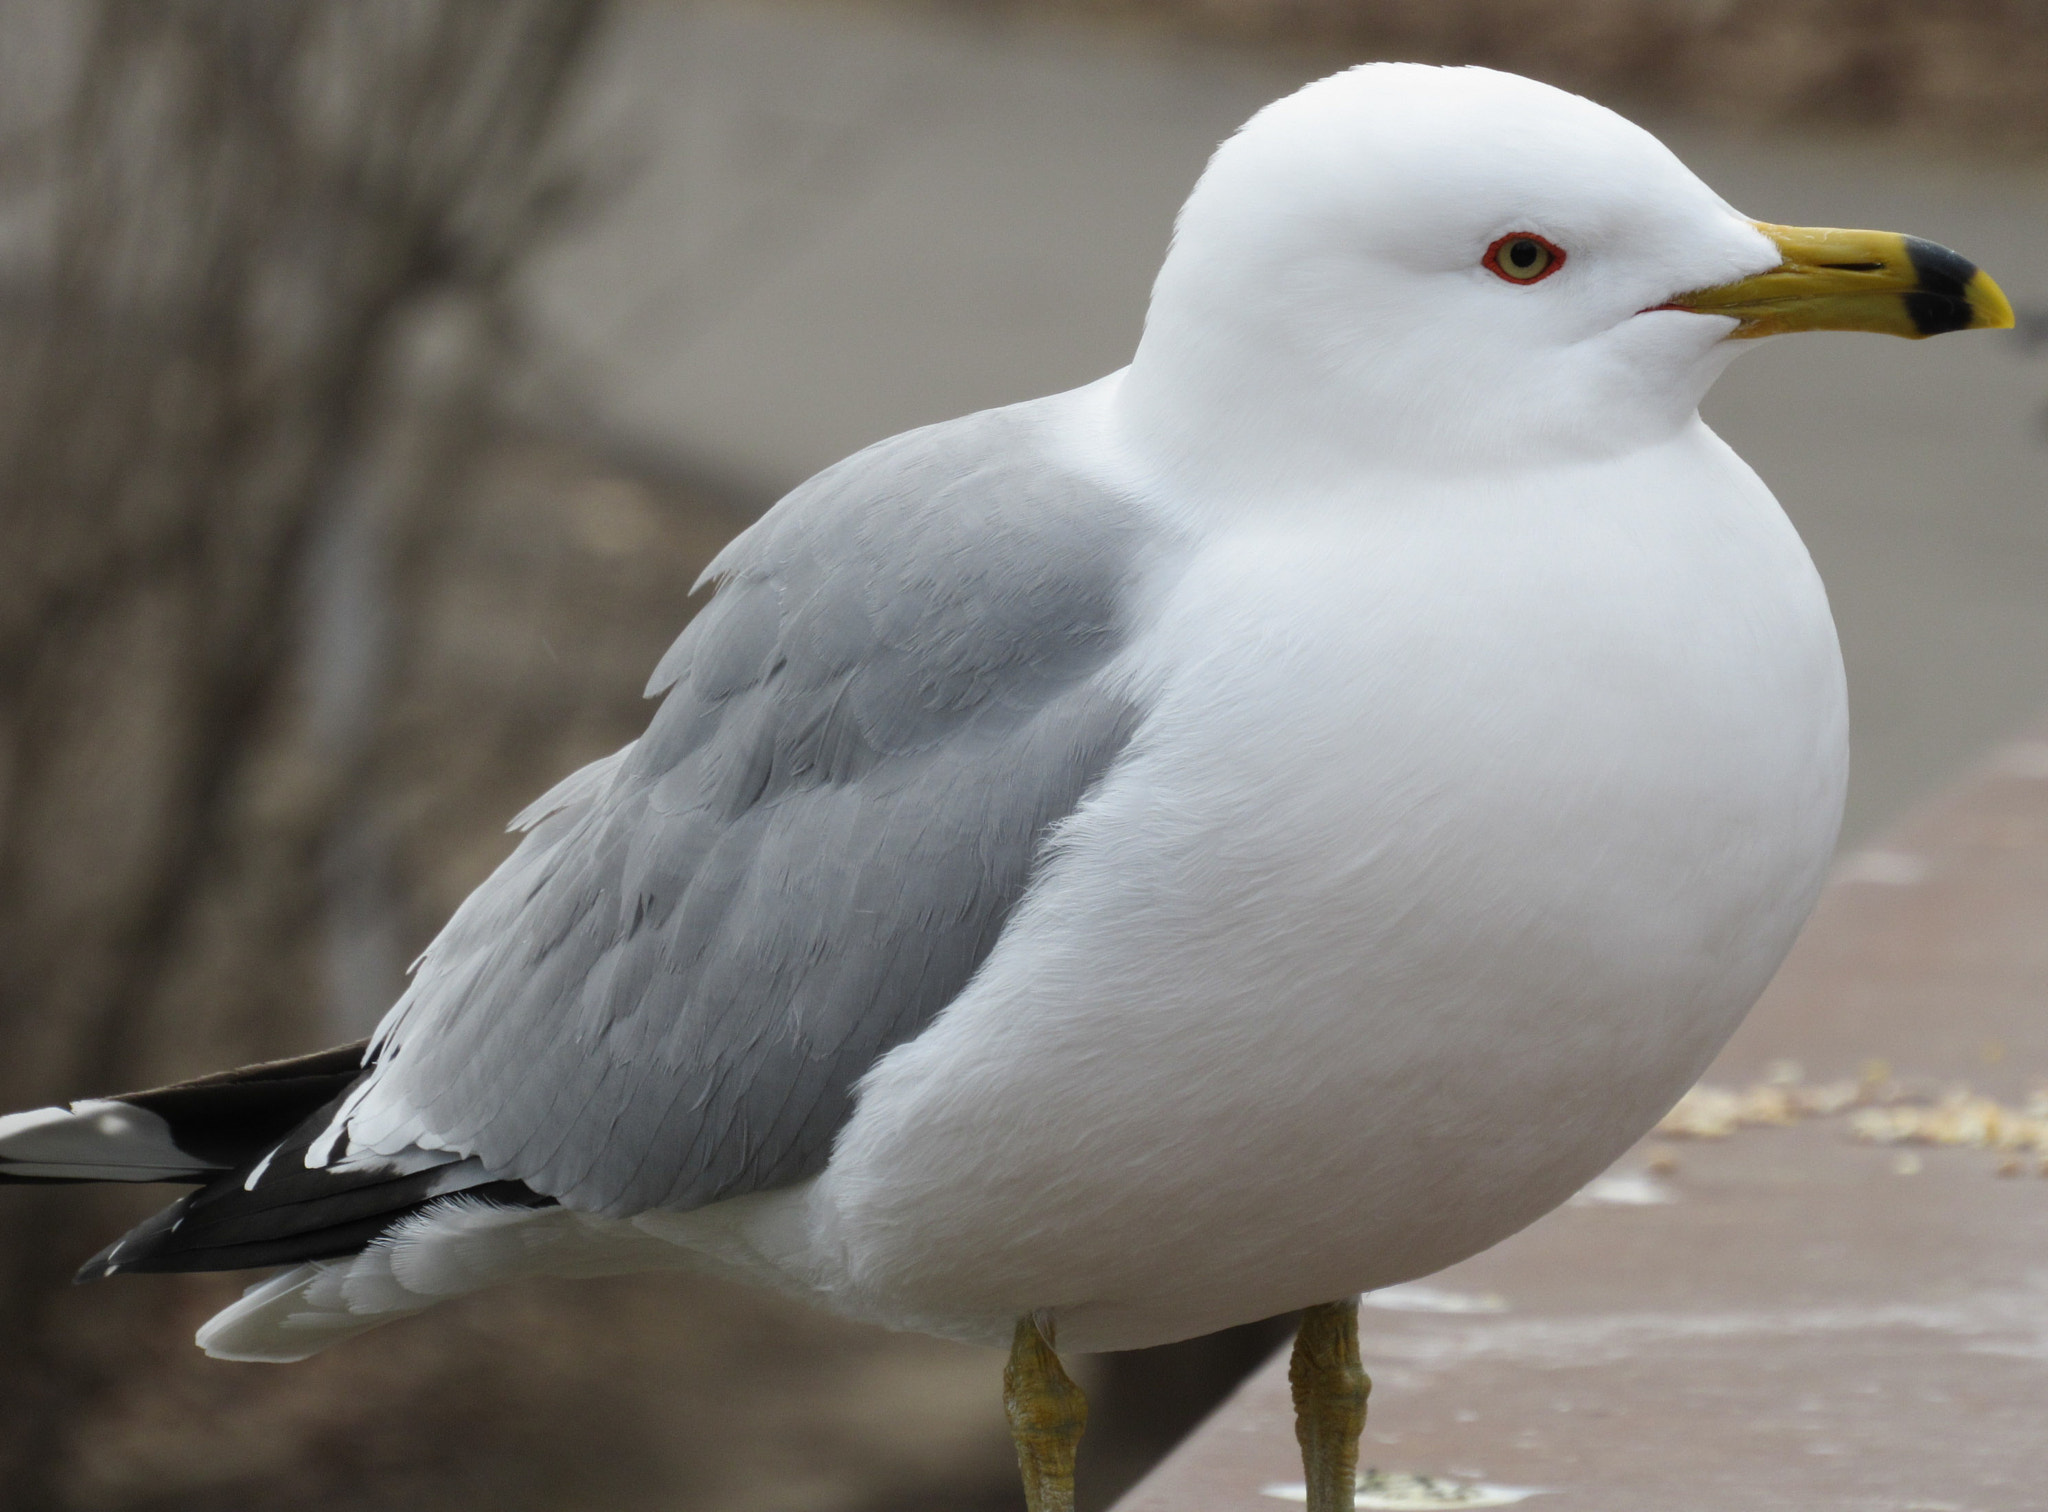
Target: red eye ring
{"points": [[1552, 251]]}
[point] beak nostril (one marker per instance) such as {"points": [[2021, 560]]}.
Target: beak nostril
{"points": [[1862, 267]]}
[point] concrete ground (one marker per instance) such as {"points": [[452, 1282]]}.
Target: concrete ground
{"points": [[838, 221]]}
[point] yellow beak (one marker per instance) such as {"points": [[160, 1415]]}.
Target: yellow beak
{"points": [[1857, 281]]}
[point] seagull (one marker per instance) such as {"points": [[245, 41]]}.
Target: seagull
{"points": [[1263, 826]]}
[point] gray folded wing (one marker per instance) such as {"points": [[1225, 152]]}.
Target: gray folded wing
{"points": [[667, 995]]}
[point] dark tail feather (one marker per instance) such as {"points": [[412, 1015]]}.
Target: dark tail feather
{"points": [[188, 1132], [241, 1137], [320, 1215]]}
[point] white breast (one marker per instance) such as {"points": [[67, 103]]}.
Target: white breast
{"points": [[1462, 834]]}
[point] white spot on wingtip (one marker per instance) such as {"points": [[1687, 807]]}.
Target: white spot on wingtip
{"points": [[1395, 1491], [1414, 1296], [256, 1175]]}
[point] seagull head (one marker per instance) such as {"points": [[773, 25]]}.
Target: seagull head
{"points": [[1454, 269]]}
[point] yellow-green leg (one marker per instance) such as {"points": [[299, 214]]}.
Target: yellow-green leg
{"points": [[1047, 1413], [1330, 1387]]}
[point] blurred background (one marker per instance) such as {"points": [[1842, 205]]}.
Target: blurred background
{"points": [[377, 375]]}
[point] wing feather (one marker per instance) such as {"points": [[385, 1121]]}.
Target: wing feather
{"points": [[669, 993]]}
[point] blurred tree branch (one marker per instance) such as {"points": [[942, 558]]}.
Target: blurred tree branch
{"points": [[244, 246]]}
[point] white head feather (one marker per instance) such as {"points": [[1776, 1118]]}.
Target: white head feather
{"points": [[1325, 308]]}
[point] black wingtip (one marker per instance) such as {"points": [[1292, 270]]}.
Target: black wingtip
{"points": [[133, 1249], [100, 1266]]}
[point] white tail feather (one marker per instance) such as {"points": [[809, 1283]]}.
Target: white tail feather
{"points": [[291, 1316], [459, 1244]]}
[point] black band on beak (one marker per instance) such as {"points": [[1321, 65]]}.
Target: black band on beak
{"points": [[1940, 304]]}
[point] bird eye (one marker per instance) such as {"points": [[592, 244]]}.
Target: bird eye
{"points": [[1523, 257]]}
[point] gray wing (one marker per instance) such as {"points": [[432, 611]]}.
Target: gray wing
{"points": [[667, 995]]}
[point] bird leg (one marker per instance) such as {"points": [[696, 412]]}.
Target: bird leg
{"points": [[1047, 1413], [1330, 1388]]}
